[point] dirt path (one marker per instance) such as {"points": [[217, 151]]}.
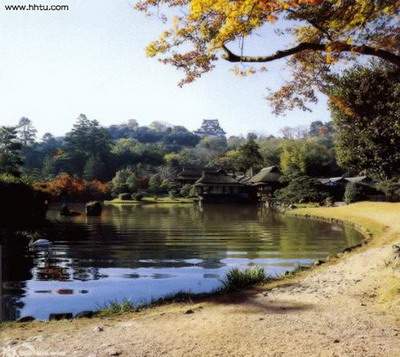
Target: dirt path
{"points": [[343, 308]]}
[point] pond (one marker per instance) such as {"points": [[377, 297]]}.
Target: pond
{"points": [[145, 252]]}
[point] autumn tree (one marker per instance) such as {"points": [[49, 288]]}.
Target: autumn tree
{"points": [[325, 34]]}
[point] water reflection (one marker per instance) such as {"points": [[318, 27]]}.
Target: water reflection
{"points": [[145, 252]]}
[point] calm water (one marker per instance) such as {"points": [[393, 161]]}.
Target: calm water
{"points": [[146, 252]]}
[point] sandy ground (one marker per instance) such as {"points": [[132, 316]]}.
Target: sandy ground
{"points": [[346, 307]]}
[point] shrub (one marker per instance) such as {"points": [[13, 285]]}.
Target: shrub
{"points": [[138, 196], [154, 184], [65, 186], [352, 193], [237, 279], [193, 192], [391, 189], [172, 193], [185, 190], [302, 189], [117, 307], [124, 196]]}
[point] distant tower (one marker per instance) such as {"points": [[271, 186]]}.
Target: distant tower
{"points": [[210, 127]]}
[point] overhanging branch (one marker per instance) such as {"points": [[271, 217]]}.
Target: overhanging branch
{"points": [[309, 46]]}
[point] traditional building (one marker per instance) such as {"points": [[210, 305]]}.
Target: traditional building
{"points": [[210, 127], [216, 186], [265, 182], [189, 176]]}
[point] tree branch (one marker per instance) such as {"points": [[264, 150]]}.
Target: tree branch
{"points": [[310, 46]]}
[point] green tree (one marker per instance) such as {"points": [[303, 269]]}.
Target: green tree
{"points": [[249, 155], [26, 131], [87, 139], [365, 108], [94, 169], [124, 181], [10, 151], [307, 157]]}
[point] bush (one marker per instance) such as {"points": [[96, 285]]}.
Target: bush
{"points": [[302, 189], [391, 189], [352, 193], [65, 186], [124, 196], [117, 307], [138, 196], [237, 279], [172, 193], [193, 192], [185, 190]]}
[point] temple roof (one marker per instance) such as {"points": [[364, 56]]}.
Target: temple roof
{"points": [[269, 174], [217, 177]]}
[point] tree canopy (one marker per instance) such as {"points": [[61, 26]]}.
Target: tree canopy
{"points": [[366, 111], [324, 32]]}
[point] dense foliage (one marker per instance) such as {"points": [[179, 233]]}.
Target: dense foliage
{"points": [[302, 189], [366, 111], [137, 158]]}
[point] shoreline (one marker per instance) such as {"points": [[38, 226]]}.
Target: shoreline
{"points": [[327, 289]]}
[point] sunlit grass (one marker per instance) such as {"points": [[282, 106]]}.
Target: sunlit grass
{"points": [[237, 279], [117, 307]]}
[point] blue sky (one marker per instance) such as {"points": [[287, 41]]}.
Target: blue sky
{"points": [[56, 65]]}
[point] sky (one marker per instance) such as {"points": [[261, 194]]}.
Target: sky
{"points": [[91, 60]]}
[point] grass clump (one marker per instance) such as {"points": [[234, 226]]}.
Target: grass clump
{"points": [[117, 307], [237, 279]]}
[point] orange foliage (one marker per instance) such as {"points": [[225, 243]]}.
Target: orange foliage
{"points": [[66, 186]]}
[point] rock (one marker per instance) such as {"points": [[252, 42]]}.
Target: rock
{"points": [[318, 262], [93, 208], [65, 211], [98, 329], [26, 319], [113, 352], [336, 341], [61, 316], [190, 311], [84, 314]]}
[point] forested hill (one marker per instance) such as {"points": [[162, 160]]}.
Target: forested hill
{"points": [[91, 151]]}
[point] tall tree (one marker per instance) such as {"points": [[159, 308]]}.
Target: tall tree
{"points": [[87, 139], [249, 155], [324, 33], [10, 151], [365, 108], [26, 131]]}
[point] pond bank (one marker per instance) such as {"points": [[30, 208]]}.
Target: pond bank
{"points": [[151, 200], [348, 306]]}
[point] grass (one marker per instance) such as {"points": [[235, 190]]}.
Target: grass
{"points": [[116, 307], [152, 200], [236, 279], [371, 218]]}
